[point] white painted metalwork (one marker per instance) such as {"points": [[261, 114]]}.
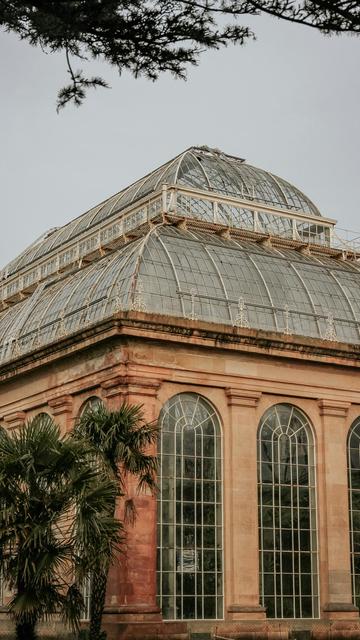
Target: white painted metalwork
{"points": [[193, 315], [173, 270], [190, 535], [308, 295], [17, 349], [192, 274], [241, 319], [330, 333], [37, 339], [139, 303], [221, 280], [282, 288], [61, 328], [351, 306], [289, 584], [287, 329], [115, 294], [346, 240], [198, 171], [262, 277]]}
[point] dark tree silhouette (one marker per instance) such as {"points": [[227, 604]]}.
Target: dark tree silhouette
{"points": [[153, 36]]}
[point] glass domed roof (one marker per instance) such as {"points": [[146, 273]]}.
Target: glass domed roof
{"points": [[212, 170], [194, 275], [200, 168]]}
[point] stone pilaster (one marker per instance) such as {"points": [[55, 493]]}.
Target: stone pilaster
{"points": [[132, 584], [114, 390], [336, 569], [243, 597], [62, 409]]}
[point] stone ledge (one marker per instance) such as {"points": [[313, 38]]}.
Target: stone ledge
{"points": [[131, 608], [237, 608], [340, 606]]}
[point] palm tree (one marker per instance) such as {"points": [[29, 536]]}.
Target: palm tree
{"points": [[120, 440], [54, 509]]}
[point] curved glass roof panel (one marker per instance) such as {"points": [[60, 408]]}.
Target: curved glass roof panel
{"points": [[191, 173], [193, 275], [234, 177], [199, 168]]}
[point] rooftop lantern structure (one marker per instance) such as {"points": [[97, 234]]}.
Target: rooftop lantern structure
{"points": [[204, 237]]}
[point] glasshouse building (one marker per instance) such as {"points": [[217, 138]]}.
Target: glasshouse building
{"points": [[216, 295]]}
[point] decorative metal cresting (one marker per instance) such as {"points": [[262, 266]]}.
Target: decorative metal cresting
{"points": [[193, 315], [17, 348], [241, 318], [37, 342], [87, 312], [117, 300], [330, 332], [287, 331], [138, 303], [61, 332]]}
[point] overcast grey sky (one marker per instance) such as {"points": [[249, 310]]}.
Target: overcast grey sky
{"points": [[289, 103]]}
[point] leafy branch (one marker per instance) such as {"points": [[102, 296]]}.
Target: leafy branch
{"points": [[151, 37]]}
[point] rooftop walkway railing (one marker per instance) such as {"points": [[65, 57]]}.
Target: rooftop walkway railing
{"points": [[207, 207]]}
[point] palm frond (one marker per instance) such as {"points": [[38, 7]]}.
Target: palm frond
{"points": [[55, 506]]}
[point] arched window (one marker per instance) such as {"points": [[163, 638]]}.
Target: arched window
{"points": [[43, 416], [90, 403], [190, 574], [287, 514], [354, 506]]}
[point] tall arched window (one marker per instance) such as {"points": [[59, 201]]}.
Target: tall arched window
{"points": [[90, 403], [354, 506], [287, 514], [190, 574]]}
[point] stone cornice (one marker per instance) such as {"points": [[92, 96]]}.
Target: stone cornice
{"points": [[242, 397], [333, 408], [136, 325]]}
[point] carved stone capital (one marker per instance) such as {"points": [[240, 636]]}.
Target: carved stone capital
{"points": [[142, 386], [60, 405], [242, 397], [114, 387], [130, 385], [335, 408], [15, 420]]}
